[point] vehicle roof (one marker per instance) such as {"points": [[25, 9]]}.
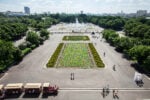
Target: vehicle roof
{"points": [[1, 86], [14, 86], [32, 85], [46, 84]]}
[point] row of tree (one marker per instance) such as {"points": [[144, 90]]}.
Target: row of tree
{"points": [[133, 48], [12, 31], [112, 22], [8, 54], [115, 23], [135, 28], [13, 28]]}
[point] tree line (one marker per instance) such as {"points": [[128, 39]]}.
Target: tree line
{"points": [[14, 28], [133, 48]]}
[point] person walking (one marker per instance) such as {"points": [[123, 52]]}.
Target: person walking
{"points": [[114, 67], [71, 76], [115, 94], [104, 54], [107, 89], [104, 92]]}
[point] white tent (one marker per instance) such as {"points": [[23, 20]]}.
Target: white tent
{"points": [[137, 76]]}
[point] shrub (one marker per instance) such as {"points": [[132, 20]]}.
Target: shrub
{"points": [[22, 46], [76, 38], [33, 38], [55, 55], [26, 51], [96, 56], [33, 46]]}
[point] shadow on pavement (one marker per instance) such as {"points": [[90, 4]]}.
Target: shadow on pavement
{"points": [[12, 96], [31, 95], [47, 95]]}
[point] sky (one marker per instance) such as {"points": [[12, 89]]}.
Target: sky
{"points": [[75, 6]]}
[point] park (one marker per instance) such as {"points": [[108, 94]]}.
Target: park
{"points": [[76, 59]]}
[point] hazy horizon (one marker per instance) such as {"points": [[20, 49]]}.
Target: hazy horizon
{"points": [[75, 6]]}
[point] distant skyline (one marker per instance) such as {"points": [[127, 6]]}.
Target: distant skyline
{"points": [[75, 6]]}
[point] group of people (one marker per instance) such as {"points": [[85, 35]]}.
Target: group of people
{"points": [[106, 91]]}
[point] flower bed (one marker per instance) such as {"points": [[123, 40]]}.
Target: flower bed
{"points": [[75, 55], [96, 56], [55, 55], [76, 38]]}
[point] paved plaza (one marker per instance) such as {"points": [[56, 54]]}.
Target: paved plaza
{"points": [[88, 83]]}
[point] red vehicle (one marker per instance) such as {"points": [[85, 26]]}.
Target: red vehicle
{"points": [[48, 89]]}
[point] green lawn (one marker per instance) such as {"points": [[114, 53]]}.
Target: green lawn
{"points": [[75, 55], [76, 38]]}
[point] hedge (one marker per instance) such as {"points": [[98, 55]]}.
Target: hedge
{"points": [[76, 38], [55, 55], [26, 51], [96, 56]]}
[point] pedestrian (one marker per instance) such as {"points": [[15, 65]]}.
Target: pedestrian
{"points": [[114, 67], [107, 89], [115, 94], [103, 92], [71, 76], [104, 54]]}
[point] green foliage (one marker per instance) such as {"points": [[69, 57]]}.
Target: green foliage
{"points": [[137, 29], [146, 64], [33, 46], [55, 55], [33, 38], [75, 55], [44, 33], [135, 48], [12, 31], [115, 23], [26, 51], [140, 53], [96, 56], [110, 36], [122, 44], [76, 38], [8, 54]]}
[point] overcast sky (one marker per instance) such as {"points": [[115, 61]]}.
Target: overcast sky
{"points": [[75, 6]]}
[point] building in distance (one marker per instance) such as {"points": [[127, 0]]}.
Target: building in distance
{"points": [[141, 13], [27, 10]]}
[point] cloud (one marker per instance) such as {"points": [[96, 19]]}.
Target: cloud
{"points": [[73, 6]]}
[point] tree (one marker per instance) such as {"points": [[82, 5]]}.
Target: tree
{"points": [[8, 54], [44, 33], [139, 53], [33, 38]]}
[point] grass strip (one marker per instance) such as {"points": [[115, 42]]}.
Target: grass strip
{"points": [[55, 55], [76, 38], [96, 56]]}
